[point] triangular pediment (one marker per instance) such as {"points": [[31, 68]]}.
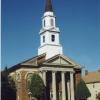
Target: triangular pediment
{"points": [[61, 60]]}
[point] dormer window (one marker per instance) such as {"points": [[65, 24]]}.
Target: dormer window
{"points": [[52, 38], [43, 39]]}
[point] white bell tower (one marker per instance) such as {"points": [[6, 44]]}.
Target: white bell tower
{"points": [[49, 34]]}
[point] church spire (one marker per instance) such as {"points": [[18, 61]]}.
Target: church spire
{"points": [[48, 6], [49, 34]]}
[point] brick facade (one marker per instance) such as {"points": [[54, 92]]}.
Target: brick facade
{"points": [[77, 76], [21, 85], [34, 65]]}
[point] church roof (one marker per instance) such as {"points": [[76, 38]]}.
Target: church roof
{"points": [[92, 77], [35, 60], [40, 61], [48, 6], [30, 63]]}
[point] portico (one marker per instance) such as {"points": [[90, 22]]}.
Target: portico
{"points": [[59, 73], [64, 90]]}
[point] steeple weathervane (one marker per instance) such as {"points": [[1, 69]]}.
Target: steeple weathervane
{"points": [[48, 6]]}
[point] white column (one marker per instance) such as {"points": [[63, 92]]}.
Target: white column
{"points": [[44, 80], [63, 86], [40, 73], [44, 77], [72, 86], [54, 85], [68, 89], [18, 97]]}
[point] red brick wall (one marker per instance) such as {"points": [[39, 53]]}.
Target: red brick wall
{"points": [[77, 76], [21, 87]]}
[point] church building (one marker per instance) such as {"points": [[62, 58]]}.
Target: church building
{"points": [[60, 74]]}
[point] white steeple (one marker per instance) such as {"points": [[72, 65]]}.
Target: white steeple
{"points": [[49, 34]]}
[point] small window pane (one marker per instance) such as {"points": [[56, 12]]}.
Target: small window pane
{"points": [[43, 38], [53, 38]]}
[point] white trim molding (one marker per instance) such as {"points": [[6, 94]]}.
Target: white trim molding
{"points": [[56, 69]]}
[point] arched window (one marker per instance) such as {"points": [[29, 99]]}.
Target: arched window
{"points": [[44, 23], [52, 38], [43, 39], [28, 79], [52, 24], [18, 76]]}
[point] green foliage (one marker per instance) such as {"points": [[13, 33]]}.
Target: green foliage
{"points": [[36, 86], [82, 92], [8, 91]]}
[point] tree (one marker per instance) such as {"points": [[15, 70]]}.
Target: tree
{"points": [[8, 91], [82, 92], [36, 86]]}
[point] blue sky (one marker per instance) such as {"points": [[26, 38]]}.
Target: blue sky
{"points": [[78, 20]]}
